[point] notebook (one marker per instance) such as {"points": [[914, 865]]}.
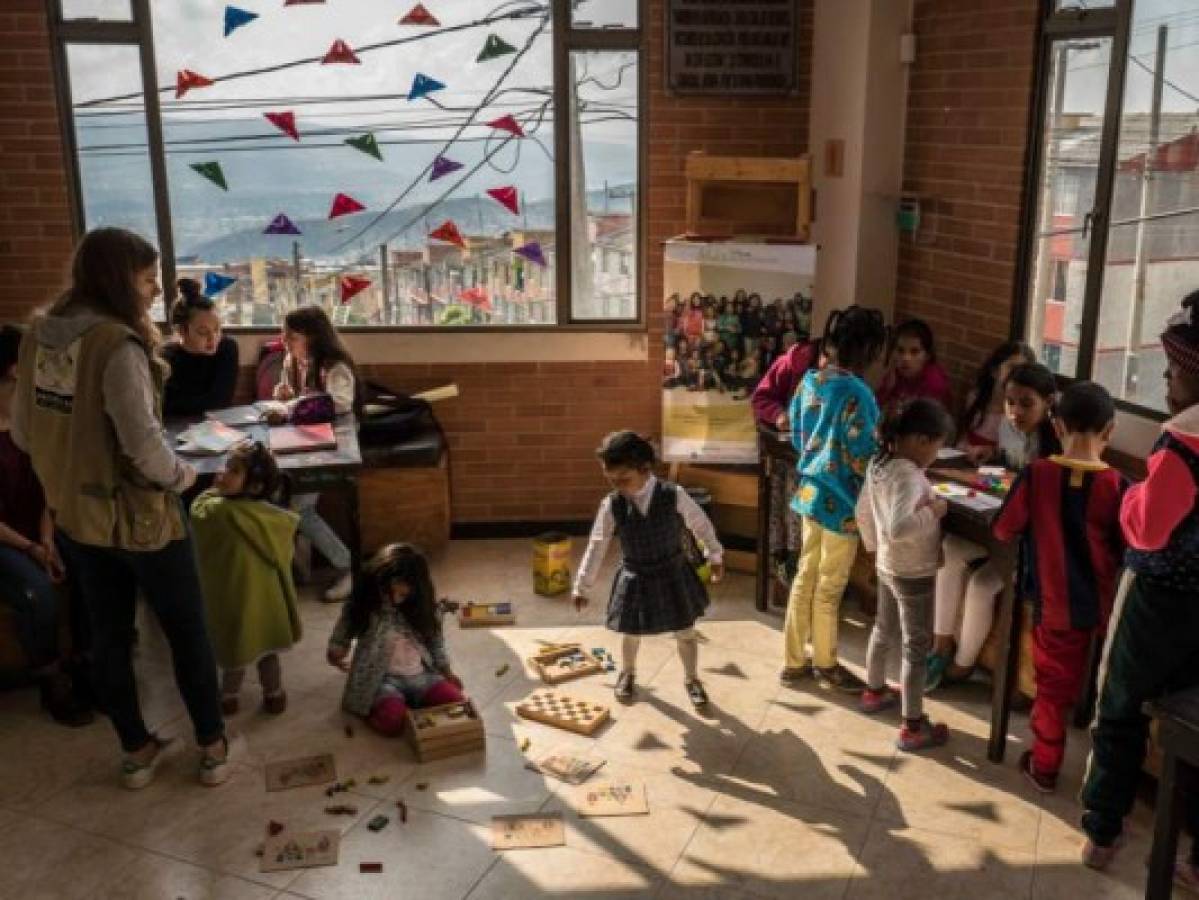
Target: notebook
{"points": [[209, 438], [302, 438], [236, 416]]}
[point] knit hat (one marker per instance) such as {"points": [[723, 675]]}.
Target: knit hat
{"points": [[1181, 339]]}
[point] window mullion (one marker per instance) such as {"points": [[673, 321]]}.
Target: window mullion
{"points": [[564, 261]]}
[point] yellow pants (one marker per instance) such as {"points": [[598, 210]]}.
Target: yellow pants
{"points": [[825, 560]]}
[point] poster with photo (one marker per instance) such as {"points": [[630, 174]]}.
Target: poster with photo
{"points": [[730, 310]]}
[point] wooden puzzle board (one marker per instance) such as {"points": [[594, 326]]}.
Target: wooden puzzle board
{"points": [[560, 711], [612, 798], [442, 731], [526, 832], [292, 773], [478, 615], [302, 850], [563, 664]]}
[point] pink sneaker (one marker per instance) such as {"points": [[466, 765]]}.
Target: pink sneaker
{"points": [[925, 735], [873, 701], [1186, 876]]}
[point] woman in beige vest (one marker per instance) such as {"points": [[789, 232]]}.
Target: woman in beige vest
{"points": [[88, 412]]}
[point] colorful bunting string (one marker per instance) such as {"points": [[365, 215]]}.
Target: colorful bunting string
{"points": [[340, 53], [494, 47], [186, 79], [507, 197], [281, 224], [235, 18], [423, 85], [507, 123], [449, 233], [367, 144], [344, 205], [213, 172], [285, 122], [532, 252], [443, 166], [418, 15], [352, 285], [214, 283]]}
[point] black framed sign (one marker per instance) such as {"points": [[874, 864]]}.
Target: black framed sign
{"points": [[739, 47]]}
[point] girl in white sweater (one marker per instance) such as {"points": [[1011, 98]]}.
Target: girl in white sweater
{"points": [[899, 518]]}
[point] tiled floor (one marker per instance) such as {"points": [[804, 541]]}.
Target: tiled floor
{"points": [[774, 793]]}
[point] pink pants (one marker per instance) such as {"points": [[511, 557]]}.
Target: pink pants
{"points": [[389, 714]]}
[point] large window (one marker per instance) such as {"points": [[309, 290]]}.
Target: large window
{"points": [[1113, 233], [436, 163]]}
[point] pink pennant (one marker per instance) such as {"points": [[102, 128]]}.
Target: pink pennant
{"points": [[509, 124], [344, 205], [507, 197], [449, 233], [340, 52], [186, 79], [418, 15], [285, 122], [351, 285]]}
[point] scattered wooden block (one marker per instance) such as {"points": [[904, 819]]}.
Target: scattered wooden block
{"points": [[481, 615], [440, 732], [550, 708]]}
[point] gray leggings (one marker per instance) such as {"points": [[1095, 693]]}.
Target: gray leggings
{"points": [[905, 612]]}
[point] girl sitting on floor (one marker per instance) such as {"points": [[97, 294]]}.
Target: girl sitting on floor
{"points": [[400, 655], [244, 545], [1025, 434]]}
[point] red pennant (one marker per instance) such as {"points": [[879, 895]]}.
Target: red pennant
{"points": [[449, 233], [340, 52], [285, 122], [418, 15], [351, 285], [343, 205], [507, 123], [506, 196], [186, 79]]}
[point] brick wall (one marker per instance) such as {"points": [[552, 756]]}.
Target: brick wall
{"points": [[35, 228], [968, 109], [522, 433]]}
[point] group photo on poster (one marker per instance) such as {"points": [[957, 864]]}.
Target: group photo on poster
{"points": [[730, 311]]}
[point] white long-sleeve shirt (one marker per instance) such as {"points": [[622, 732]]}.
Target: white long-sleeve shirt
{"points": [[605, 527], [337, 381], [895, 517]]}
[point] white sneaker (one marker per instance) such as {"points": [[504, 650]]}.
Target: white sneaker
{"points": [[135, 775], [340, 591], [215, 771]]}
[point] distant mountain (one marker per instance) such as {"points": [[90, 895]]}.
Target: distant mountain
{"points": [[268, 175]]}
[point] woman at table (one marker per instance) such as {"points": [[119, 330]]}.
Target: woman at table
{"points": [[89, 386], [203, 362]]}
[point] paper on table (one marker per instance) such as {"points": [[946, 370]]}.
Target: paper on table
{"points": [[947, 453], [968, 497], [209, 438]]}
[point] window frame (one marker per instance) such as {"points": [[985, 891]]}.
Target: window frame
{"points": [[1075, 23], [566, 38]]}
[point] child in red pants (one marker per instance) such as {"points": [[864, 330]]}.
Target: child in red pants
{"points": [[399, 651], [1066, 508]]}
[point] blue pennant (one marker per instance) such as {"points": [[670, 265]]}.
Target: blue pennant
{"points": [[214, 283], [423, 85], [235, 18]]}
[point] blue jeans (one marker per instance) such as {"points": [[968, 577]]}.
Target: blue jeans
{"points": [[317, 530], [109, 581], [25, 586]]}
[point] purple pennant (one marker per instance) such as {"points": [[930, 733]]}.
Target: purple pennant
{"points": [[443, 166], [282, 225], [532, 252]]}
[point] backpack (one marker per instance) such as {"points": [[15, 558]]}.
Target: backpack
{"points": [[391, 417]]}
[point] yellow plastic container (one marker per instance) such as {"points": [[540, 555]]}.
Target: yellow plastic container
{"points": [[551, 564]]}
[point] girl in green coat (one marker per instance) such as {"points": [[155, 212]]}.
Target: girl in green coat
{"points": [[244, 545]]}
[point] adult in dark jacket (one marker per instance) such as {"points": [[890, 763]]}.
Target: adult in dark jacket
{"points": [[203, 362]]}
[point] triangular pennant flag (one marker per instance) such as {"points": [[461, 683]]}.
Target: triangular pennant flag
{"points": [[301, 2], [214, 283], [235, 18], [343, 205], [186, 79], [507, 123], [532, 252], [494, 46], [340, 52], [367, 144], [351, 285], [281, 225], [443, 166], [212, 171], [285, 122], [449, 233], [423, 85], [507, 197], [418, 15]]}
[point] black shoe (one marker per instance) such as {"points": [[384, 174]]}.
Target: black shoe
{"points": [[839, 678], [696, 694], [60, 701], [791, 675], [625, 683]]}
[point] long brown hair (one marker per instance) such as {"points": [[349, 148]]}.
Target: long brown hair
{"points": [[324, 348], [102, 279], [399, 562]]}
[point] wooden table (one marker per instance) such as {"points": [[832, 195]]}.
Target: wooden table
{"points": [[775, 449], [310, 473], [1178, 736]]}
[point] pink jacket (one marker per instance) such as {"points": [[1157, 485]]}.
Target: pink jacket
{"points": [[932, 382], [1154, 508], [772, 397]]}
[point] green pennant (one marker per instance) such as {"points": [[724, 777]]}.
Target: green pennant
{"points": [[367, 144], [212, 171], [495, 46]]}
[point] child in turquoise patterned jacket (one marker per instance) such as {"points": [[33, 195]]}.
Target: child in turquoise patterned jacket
{"points": [[834, 420]]}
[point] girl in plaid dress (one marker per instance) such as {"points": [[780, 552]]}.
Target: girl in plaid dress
{"points": [[656, 588]]}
